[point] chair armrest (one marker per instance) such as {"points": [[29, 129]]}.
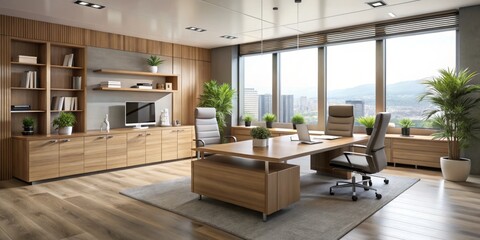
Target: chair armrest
{"points": [[200, 141], [356, 153], [358, 145], [232, 137]]}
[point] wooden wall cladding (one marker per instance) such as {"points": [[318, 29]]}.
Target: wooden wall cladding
{"points": [[5, 121]]}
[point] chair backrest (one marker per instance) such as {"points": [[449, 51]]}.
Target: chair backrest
{"points": [[340, 120], [376, 143], [206, 127], [282, 125]]}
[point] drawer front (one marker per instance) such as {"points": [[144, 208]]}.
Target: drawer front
{"points": [[154, 146], [116, 150], [95, 153], [169, 144], [136, 148], [43, 160], [185, 139], [71, 156]]}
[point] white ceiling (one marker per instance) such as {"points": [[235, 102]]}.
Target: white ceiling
{"points": [[166, 20]]}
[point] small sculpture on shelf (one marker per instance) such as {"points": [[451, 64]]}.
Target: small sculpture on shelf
{"points": [[105, 125], [165, 118]]}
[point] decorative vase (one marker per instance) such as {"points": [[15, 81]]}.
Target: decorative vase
{"points": [[248, 123], [65, 130], [269, 124], [27, 130], [369, 131], [154, 69], [406, 132], [455, 170], [107, 123], [260, 142]]}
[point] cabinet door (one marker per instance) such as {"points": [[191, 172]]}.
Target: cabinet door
{"points": [[43, 160], [95, 153], [116, 150], [185, 140], [71, 156], [136, 148], [154, 146], [169, 144]]}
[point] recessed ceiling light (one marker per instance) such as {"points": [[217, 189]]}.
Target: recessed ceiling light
{"points": [[377, 4], [88, 4], [196, 29], [392, 14], [228, 37]]}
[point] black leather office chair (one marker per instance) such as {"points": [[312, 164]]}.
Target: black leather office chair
{"points": [[372, 161], [206, 127], [340, 120]]}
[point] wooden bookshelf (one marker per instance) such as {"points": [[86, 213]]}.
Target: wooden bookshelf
{"points": [[169, 78], [134, 90]]}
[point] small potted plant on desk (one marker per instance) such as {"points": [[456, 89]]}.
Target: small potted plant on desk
{"points": [[297, 119], [269, 118], [64, 123], [455, 100], [260, 136], [153, 62], [406, 124], [368, 122], [28, 123], [247, 118]]}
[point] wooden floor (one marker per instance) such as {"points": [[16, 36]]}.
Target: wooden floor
{"points": [[89, 207]]}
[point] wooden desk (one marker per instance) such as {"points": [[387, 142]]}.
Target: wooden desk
{"points": [[266, 188]]}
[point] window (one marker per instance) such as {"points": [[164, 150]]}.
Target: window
{"points": [[351, 76], [299, 85], [257, 92], [409, 61]]}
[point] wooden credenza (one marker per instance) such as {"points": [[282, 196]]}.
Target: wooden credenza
{"points": [[45, 157], [416, 150]]}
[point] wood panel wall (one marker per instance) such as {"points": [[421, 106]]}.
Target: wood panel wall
{"points": [[192, 64]]}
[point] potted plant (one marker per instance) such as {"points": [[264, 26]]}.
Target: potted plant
{"points": [[247, 118], [297, 119], [28, 123], [454, 99], [269, 118], [219, 97], [406, 124], [64, 123], [368, 122], [153, 62], [260, 136]]}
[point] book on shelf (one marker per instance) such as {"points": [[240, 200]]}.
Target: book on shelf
{"points": [[57, 103], [142, 87], [30, 80], [77, 82], [68, 60], [111, 84], [144, 84], [67, 104], [26, 59], [20, 107]]}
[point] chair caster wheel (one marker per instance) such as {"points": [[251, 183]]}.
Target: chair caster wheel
{"points": [[354, 198], [378, 195], [366, 189], [370, 183], [331, 192], [386, 181]]}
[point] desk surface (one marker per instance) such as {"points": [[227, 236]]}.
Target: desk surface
{"points": [[280, 149]]}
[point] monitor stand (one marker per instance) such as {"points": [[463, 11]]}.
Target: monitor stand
{"points": [[139, 126]]}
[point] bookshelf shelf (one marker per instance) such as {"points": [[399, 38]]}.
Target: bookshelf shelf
{"points": [[28, 111], [28, 89], [135, 73], [65, 67], [29, 64], [134, 90], [57, 111], [66, 89]]}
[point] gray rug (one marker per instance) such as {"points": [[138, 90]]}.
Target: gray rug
{"points": [[317, 215]]}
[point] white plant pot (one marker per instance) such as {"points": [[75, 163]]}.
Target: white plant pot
{"points": [[260, 142], [65, 131], [455, 170], [153, 69]]}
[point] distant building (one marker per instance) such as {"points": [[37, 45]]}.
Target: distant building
{"points": [[264, 104], [358, 108], [286, 108], [250, 99]]}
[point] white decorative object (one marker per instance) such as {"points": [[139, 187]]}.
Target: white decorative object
{"points": [[455, 170], [260, 142], [154, 69], [107, 123], [168, 86], [165, 118], [65, 130]]}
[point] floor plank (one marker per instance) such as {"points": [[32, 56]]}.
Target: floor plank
{"points": [[90, 207]]}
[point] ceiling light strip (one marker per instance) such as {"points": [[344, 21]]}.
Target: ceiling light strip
{"points": [[89, 4]]}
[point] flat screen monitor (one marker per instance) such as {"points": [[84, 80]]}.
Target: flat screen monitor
{"points": [[139, 113]]}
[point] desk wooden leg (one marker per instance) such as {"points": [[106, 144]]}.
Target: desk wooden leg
{"points": [[320, 163]]}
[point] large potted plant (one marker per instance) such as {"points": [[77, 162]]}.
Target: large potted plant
{"points": [[64, 123], [269, 118], [260, 136], [454, 98], [219, 97], [368, 122], [153, 62], [406, 124], [297, 119]]}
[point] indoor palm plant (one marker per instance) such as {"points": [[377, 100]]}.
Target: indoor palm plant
{"points": [[153, 62], [406, 124], [368, 122], [260, 136], [219, 97], [297, 119], [247, 118], [64, 123], [269, 118], [454, 99]]}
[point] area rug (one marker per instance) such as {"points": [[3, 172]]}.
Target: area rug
{"points": [[317, 215]]}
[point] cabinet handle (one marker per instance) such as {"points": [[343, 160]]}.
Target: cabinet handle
{"points": [[174, 130], [110, 136], [148, 134], [66, 140], [101, 137], [180, 130], [141, 135], [53, 141]]}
